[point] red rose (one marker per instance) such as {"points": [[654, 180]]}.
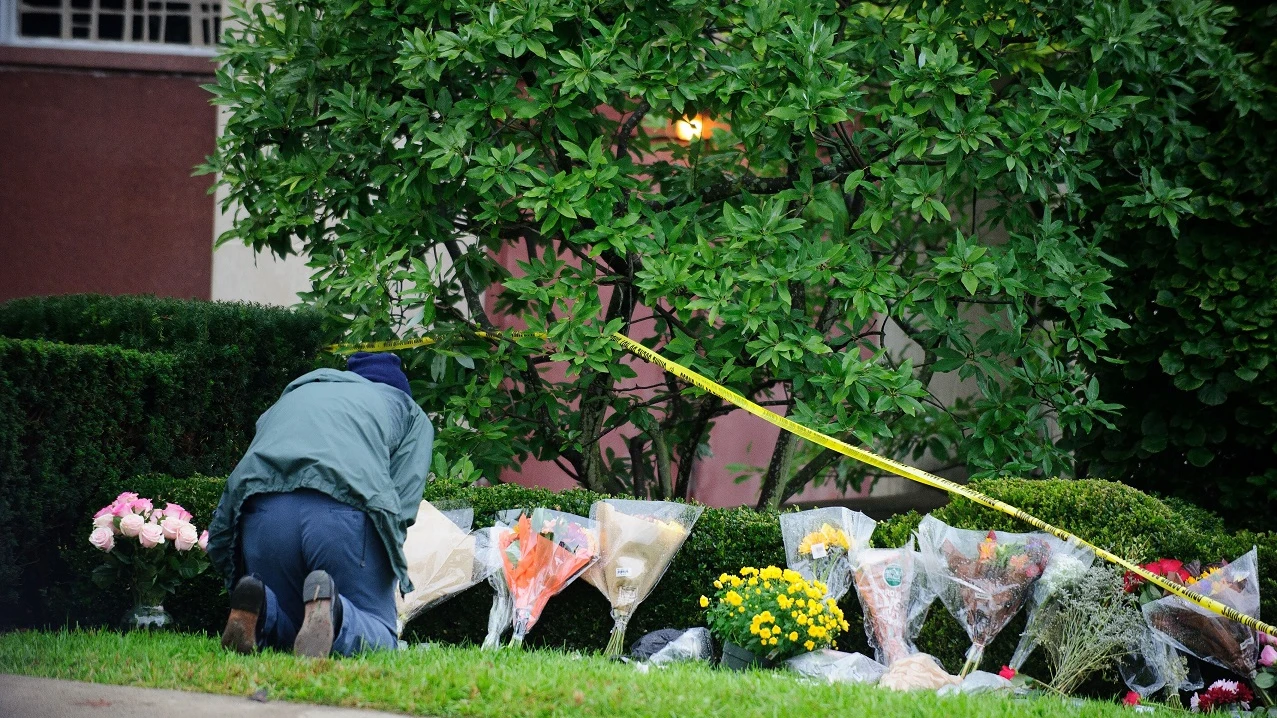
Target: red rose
{"points": [[1007, 672], [1132, 698]]}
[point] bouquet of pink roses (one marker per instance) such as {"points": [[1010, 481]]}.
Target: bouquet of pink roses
{"points": [[151, 549]]}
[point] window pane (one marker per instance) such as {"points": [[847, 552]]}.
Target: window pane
{"points": [[42, 3], [82, 4], [110, 27], [177, 29], [40, 25], [111, 4]]}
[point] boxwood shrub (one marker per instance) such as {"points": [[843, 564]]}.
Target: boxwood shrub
{"points": [[94, 389], [1118, 517]]}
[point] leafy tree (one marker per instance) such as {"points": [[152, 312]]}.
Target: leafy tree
{"points": [[1195, 373], [947, 172]]}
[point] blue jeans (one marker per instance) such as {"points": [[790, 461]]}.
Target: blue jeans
{"points": [[286, 536]]}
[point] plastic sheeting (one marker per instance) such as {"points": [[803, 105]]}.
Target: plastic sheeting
{"points": [[694, 644], [837, 667]]}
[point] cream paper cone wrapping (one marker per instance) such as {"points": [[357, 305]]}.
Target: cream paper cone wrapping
{"points": [[441, 559], [637, 542]]}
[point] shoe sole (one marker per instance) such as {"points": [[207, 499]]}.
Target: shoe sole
{"points": [[315, 637], [247, 602], [241, 632]]}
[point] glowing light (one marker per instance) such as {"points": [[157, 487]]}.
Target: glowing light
{"points": [[689, 129]]}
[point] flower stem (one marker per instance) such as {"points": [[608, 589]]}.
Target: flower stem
{"points": [[616, 644]]}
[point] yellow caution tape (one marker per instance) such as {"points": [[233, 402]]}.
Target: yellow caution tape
{"points": [[868, 457], [425, 341]]}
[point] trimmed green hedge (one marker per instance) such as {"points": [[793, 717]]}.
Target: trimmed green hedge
{"points": [[1110, 514], [96, 389], [235, 358]]}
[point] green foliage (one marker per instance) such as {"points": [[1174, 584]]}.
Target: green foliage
{"points": [[183, 397], [724, 540], [950, 176], [1195, 374]]}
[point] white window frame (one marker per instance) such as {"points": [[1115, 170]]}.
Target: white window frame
{"points": [[9, 36]]}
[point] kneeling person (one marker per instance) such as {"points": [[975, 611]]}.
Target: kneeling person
{"points": [[310, 529]]}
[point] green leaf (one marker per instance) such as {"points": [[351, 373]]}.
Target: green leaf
{"points": [[1199, 456], [1171, 363], [1212, 394]]}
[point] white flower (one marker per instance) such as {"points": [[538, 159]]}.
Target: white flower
{"points": [[1230, 686], [1061, 572]]}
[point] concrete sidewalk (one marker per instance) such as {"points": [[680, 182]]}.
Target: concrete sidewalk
{"points": [[25, 697]]}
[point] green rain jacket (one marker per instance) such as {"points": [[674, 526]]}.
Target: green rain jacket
{"points": [[363, 443]]}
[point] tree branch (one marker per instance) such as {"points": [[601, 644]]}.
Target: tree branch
{"points": [[812, 469], [758, 185], [473, 301], [627, 128]]}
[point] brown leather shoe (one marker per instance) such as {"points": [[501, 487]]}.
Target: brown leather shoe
{"points": [[248, 604], [323, 616]]}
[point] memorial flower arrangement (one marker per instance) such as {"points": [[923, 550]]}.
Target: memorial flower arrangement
{"points": [[894, 598], [151, 549], [637, 541], [1210, 637], [774, 613], [983, 578], [820, 544], [444, 558], [541, 555], [1222, 695]]}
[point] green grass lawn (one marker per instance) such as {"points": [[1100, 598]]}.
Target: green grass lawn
{"points": [[460, 681]]}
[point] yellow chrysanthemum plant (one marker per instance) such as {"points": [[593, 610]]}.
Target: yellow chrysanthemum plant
{"points": [[772, 612]]}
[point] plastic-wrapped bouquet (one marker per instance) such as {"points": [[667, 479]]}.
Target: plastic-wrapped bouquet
{"points": [[444, 557], [983, 578], [541, 554], [1067, 566], [151, 548], [895, 599], [1205, 635], [637, 541], [1152, 663], [820, 543]]}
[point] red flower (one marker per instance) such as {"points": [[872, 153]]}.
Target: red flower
{"points": [[1132, 698], [1168, 568], [1007, 672], [1223, 693]]}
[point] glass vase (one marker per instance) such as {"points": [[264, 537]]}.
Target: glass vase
{"points": [[147, 613]]}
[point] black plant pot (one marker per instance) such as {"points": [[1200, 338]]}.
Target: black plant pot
{"points": [[736, 658]]}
